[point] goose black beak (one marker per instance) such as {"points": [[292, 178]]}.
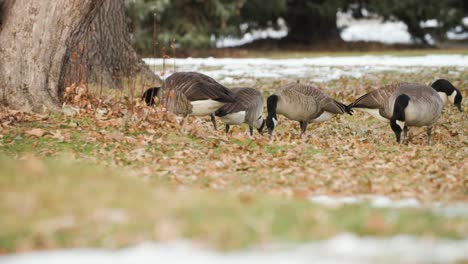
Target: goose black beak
{"points": [[459, 106], [270, 132]]}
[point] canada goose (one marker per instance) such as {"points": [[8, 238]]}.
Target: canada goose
{"points": [[448, 92], [303, 103], [248, 109], [376, 102], [191, 93], [408, 104]]}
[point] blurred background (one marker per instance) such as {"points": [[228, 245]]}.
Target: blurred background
{"points": [[230, 27]]}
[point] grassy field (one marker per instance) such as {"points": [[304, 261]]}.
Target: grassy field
{"points": [[118, 173]]}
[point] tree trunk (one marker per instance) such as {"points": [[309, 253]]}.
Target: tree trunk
{"points": [[312, 21], [35, 41], [105, 56], [314, 30], [44, 44]]}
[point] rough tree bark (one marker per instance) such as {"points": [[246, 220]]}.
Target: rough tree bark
{"points": [[40, 44], [105, 55]]}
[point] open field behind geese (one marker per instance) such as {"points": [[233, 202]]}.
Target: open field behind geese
{"points": [[112, 172]]}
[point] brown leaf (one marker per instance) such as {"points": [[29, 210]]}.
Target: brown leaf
{"points": [[36, 132]]}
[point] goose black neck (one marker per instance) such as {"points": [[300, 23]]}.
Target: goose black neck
{"points": [[149, 95], [398, 116], [444, 86], [272, 103]]}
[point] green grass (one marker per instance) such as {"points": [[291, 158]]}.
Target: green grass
{"points": [[63, 203]]}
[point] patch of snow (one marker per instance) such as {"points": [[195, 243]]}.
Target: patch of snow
{"points": [[377, 31], [378, 201], [344, 248], [429, 39], [320, 69], [372, 28], [457, 34], [431, 23], [386, 202], [254, 35], [334, 201]]}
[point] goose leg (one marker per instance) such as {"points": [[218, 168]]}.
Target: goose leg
{"points": [[251, 130], [429, 133], [405, 134], [303, 126], [226, 128], [213, 120]]}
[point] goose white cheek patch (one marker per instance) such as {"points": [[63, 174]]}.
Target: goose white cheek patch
{"points": [[401, 124], [275, 121]]}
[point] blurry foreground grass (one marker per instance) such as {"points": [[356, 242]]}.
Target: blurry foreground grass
{"points": [[63, 203]]}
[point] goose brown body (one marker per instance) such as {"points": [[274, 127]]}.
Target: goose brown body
{"points": [[303, 103], [248, 109], [408, 104], [192, 93], [425, 105]]}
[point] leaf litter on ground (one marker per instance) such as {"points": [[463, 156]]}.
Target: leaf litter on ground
{"points": [[349, 155]]}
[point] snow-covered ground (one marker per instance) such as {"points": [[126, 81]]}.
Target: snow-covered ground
{"points": [[458, 209], [344, 248], [233, 71]]}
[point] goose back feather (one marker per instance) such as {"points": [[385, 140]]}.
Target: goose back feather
{"points": [[376, 102], [302, 102], [192, 93], [249, 101]]}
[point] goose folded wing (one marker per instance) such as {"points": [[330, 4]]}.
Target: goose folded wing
{"points": [[210, 91], [369, 100], [333, 106], [230, 108]]}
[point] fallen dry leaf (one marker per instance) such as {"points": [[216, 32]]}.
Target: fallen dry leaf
{"points": [[36, 132]]}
